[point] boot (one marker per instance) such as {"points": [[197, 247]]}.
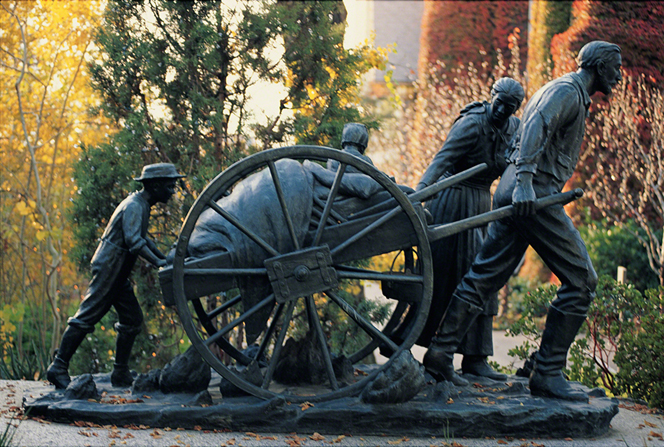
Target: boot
{"points": [[438, 360], [547, 379], [57, 372], [478, 365], [121, 375]]}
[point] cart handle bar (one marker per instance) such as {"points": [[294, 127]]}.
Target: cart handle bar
{"points": [[425, 193], [436, 232]]}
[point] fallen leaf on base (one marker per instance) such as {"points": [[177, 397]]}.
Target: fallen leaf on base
{"points": [[306, 405]]}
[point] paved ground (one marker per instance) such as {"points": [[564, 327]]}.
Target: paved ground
{"points": [[631, 427], [634, 426]]}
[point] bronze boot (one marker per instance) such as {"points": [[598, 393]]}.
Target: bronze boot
{"points": [[547, 379], [478, 365], [121, 375], [57, 372], [438, 360]]}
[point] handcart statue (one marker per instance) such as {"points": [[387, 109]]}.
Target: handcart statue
{"points": [[272, 245]]}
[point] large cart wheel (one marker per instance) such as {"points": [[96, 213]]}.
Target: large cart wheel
{"points": [[344, 287]]}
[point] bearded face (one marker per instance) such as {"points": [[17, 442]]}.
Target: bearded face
{"points": [[609, 74]]}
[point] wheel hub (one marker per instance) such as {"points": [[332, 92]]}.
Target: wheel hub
{"points": [[301, 273]]}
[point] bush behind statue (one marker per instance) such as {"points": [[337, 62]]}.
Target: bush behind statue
{"points": [[619, 347]]}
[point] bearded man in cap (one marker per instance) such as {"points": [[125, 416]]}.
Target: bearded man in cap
{"points": [[124, 239]]}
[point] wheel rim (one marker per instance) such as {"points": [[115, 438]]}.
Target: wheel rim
{"points": [[274, 334]]}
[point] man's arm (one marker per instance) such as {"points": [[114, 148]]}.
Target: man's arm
{"points": [[533, 138], [159, 258], [553, 110], [152, 246], [132, 221], [151, 257]]}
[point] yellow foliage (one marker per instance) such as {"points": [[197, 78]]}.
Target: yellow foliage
{"points": [[45, 96], [22, 209]]}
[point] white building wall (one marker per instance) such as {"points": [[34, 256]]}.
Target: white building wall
{"points": [[394, 22]]}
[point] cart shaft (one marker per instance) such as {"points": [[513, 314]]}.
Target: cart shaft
{"points": [[436, 232]]}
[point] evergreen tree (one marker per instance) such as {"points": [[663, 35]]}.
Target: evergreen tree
{"points": [[322, 76]]}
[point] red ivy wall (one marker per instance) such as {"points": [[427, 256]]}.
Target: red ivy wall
{"points": [[455, 31], [638, 27]]}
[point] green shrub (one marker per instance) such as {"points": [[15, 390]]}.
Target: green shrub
{"points": [[533, 306], [640, 355], [610, 246], [610, 317], [624, 328], [513, 300]]}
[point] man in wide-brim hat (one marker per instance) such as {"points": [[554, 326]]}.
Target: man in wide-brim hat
{"points": [[124, 239]]}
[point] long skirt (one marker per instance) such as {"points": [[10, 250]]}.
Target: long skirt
{"points": [[452, 258]]}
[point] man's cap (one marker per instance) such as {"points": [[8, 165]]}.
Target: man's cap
{"points": [[159, 171], [355, 133]]}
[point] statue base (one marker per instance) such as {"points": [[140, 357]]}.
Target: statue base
{"points": [[485, 408]]}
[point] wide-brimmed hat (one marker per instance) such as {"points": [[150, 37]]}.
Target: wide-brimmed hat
{"points": [[159, 171]]}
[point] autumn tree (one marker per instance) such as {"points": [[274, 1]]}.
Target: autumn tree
{"points": [[547, 18], [626, 165], [177, 78], [44, 105], [633, 25], [464, 33], [322, 76]]}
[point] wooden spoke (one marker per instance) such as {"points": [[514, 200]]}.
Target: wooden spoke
{"points": [[282, 202], [320, 336], [270, 331], [253, 236], [361, 321], [278, 346], [336, 216], [225, 272], [224, 307], [330, 201], [342, 273], [368, 229], [389, 327], [220, 333]]}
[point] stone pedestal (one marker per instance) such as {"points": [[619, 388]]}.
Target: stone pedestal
{"points": [[485, 408]]}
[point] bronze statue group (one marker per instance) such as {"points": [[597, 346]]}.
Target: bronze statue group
{"points": [[534, 157]]}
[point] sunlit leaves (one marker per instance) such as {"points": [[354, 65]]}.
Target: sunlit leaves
{"points": [[44, 103]]}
